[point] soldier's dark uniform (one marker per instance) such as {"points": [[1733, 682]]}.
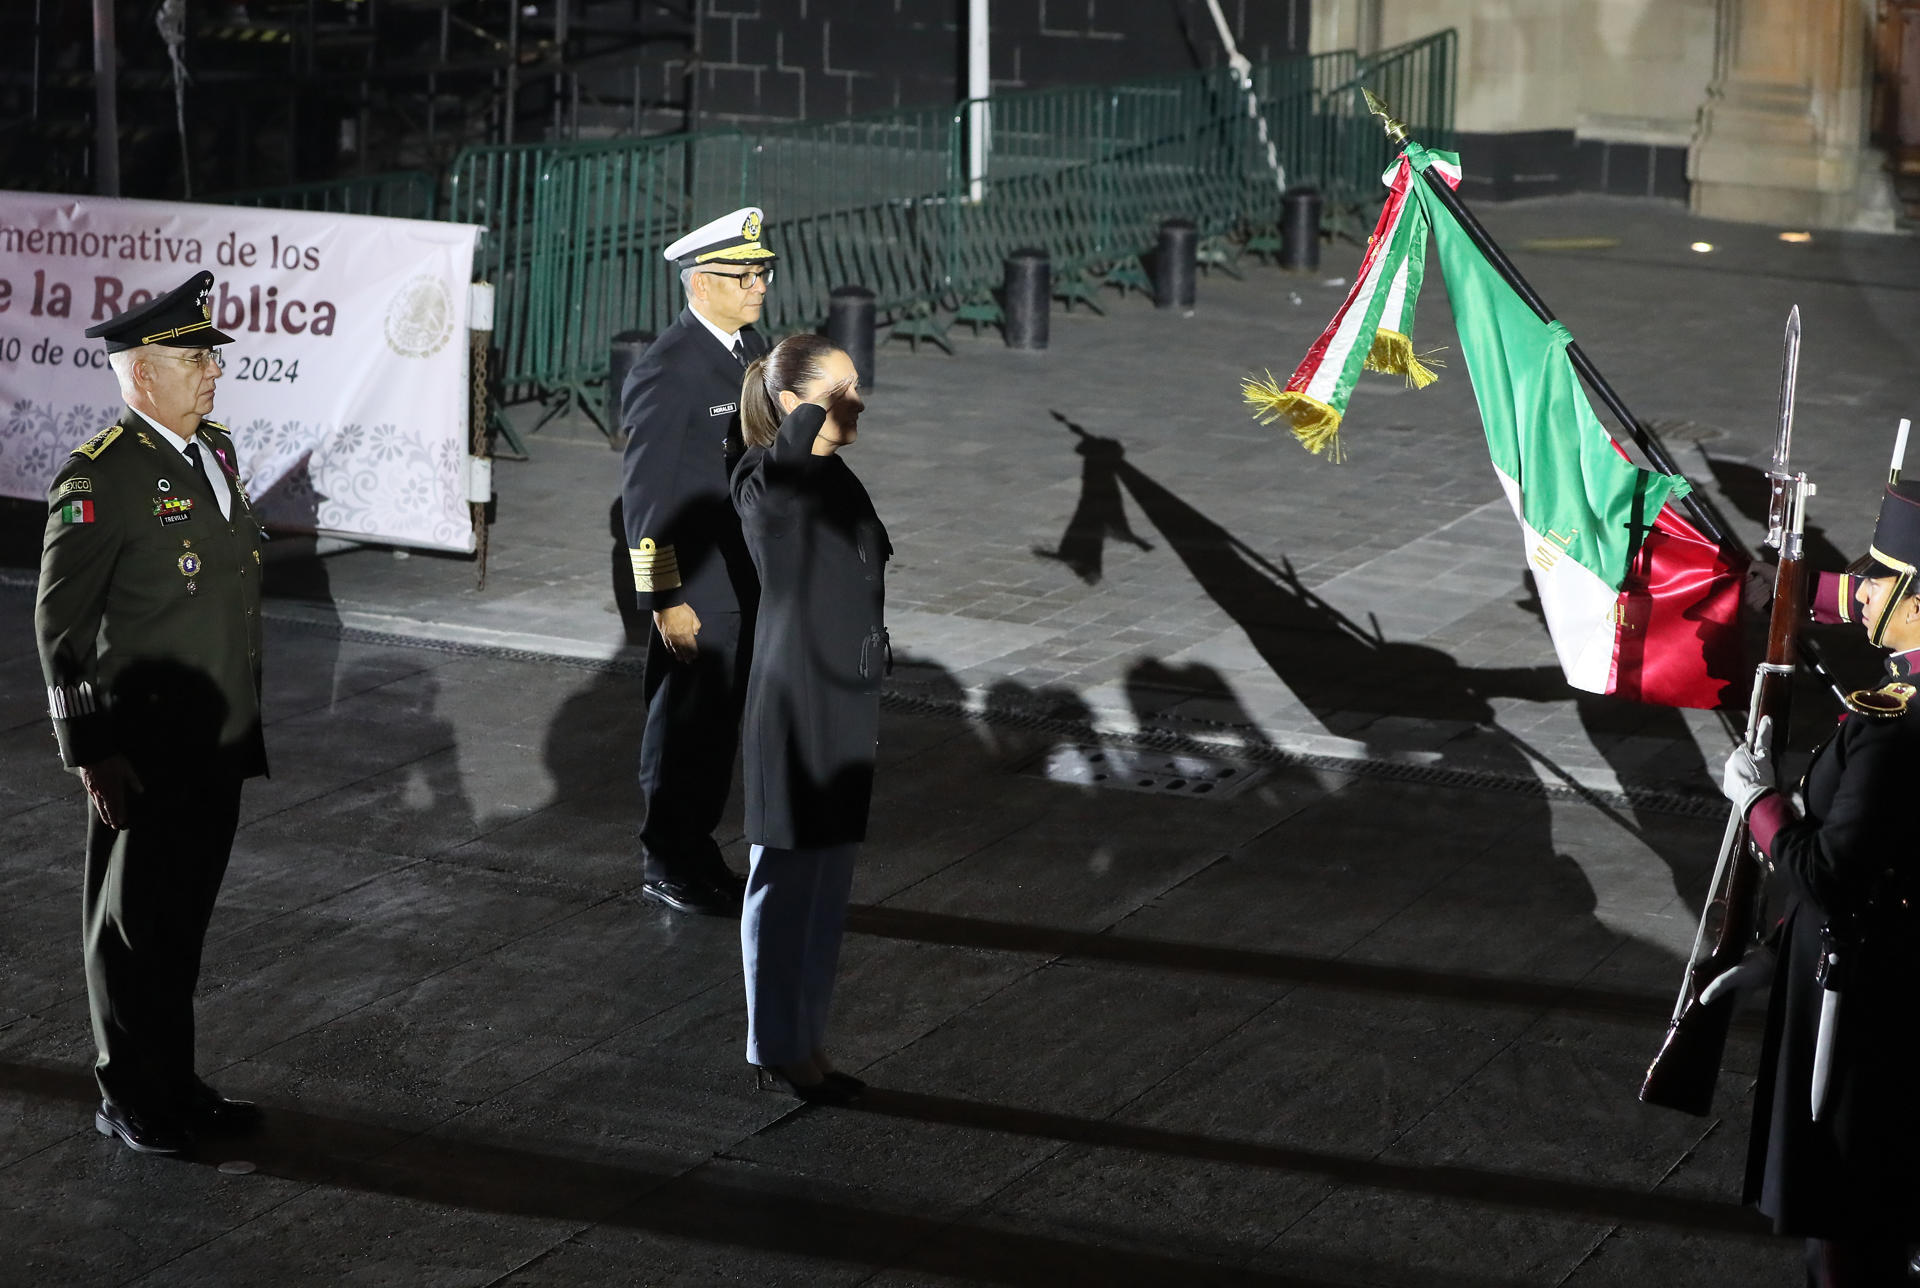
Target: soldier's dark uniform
{"points": [[680, 409], [148, 622], [1851, 874]]}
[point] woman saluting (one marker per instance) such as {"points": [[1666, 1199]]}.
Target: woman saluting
{"points": [[813, 699]]}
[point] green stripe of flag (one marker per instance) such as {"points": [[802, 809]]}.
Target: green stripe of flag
{"points": [[1575, 487]]}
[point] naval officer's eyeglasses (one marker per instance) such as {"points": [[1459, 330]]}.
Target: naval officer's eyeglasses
{"points": [[748, 280], [200, 358]]}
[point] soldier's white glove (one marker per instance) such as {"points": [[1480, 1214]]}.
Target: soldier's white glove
{"points": [[1749, 773], [1755, 971]]}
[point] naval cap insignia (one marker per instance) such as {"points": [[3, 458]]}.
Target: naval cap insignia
{"points": [[751, 228]]}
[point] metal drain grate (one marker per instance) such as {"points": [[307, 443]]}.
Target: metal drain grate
{"points": [[1142, 769]]}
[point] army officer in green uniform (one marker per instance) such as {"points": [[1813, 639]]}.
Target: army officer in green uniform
{"points": [[148, 620]]}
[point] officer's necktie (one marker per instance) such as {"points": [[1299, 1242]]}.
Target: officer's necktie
{"points": [[740, 350], [199, 463]]}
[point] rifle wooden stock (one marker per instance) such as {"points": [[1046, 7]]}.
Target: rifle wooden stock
{"points": [[1683, 1074]]}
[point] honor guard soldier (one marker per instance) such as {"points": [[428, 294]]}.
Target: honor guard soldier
{"points": [[680, 409], [148, 622], [1836, 1121]]}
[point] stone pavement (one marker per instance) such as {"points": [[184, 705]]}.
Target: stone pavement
{"points": [[1376, 1019], [1338, 1029]]}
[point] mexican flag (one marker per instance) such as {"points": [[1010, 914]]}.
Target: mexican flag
{"points": [[1638, 601]]}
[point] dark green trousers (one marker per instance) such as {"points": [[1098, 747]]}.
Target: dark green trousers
{"points": [[148, 898]]}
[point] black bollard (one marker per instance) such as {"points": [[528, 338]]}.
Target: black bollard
{"points": [[1300, 229], [1029, 297], [850, 327], [628, 346], [1174, 265]]}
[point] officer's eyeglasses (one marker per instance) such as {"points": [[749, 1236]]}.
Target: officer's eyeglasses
{"points": [[748, 280], [199, 359]]}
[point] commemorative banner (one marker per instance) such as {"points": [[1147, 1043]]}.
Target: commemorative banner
{"points": [[347, 387]]}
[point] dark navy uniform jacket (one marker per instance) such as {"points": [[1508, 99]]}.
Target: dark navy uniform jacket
{"points": [[680, 408], [1851, 863]]}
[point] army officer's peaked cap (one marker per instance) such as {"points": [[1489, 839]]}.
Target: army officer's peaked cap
{"points": [[730, 239], [181, 318]]}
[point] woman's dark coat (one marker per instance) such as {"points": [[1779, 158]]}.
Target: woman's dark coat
{"points": [[819, 645], [1852, 861]]}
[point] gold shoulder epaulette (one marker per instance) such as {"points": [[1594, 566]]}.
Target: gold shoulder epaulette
{"points": [[1883, 703], [99, 443]]}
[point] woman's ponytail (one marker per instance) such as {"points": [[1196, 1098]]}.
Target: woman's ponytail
{"points": [[759, 414]]}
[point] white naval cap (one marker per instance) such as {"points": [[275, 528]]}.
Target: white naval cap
{"points": [[730, 239]]}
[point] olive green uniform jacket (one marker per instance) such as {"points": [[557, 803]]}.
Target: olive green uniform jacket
{"points": [[148, 616]]}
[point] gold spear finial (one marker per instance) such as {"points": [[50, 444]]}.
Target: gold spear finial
{"points": [[1396, 130]]}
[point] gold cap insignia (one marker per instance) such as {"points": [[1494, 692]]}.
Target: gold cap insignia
{"points": [[751, 229]]}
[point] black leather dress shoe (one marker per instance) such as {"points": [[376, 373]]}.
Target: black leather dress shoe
{"points": [[691, 896], [210, 1111], [139, 1133]]}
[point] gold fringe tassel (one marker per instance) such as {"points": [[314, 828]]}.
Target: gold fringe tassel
{"points": [[1313, 422], [1393, 353]]}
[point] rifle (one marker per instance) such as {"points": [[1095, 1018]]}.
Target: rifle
{"points": [[1683, 1074]]}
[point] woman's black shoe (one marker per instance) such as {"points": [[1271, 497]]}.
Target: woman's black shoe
{"points": [[830, 1090]]}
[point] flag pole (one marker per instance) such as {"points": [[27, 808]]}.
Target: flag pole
{"points": [[1649, 442]]}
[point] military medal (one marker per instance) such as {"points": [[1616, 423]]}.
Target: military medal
{"points": [[189, 568]]}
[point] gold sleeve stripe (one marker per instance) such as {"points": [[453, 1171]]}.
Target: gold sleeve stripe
{"points": [[655, 567]]}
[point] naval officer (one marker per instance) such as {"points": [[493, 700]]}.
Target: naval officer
{"points": [[680, 411], [148, 623]]}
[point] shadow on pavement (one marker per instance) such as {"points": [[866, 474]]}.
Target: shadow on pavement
{"points": [[1292, 968], [1393, 696], [1099, 515], [342, 1154]]}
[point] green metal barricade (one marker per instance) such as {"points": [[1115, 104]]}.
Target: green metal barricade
{"points": [[1415, 80], [855, 201], [892, 201]]}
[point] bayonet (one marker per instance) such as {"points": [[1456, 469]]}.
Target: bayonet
{"points": [[1780, 526]]}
